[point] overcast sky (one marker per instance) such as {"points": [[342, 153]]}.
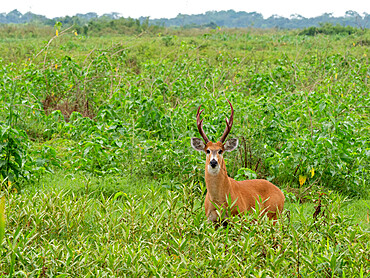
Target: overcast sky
{"points": [[171, 8]]}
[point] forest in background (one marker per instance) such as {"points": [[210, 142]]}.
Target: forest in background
{"points": [[210, 19]]}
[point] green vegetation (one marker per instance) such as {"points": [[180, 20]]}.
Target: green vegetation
{"points": [[54, 231], [111, 118], [329, 29]]}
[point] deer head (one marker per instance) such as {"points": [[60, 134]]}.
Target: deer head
{"points": [[214, 151]]}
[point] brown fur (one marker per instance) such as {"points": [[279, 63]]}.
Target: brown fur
{"points": [[244, 192]]}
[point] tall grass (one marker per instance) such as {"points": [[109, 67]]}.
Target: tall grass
{"points": [[66, 232]]}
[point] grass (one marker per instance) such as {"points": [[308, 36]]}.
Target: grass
{"points": [[61, 228], [301, 111], [258, 45]]}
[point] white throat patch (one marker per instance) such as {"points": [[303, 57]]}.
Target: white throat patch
{"points": [[214, 171]]}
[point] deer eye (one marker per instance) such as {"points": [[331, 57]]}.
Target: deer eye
{"points": [[220, 152], [208, 151]]}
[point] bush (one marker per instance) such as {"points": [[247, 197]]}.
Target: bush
{"points": [[330, 29]]}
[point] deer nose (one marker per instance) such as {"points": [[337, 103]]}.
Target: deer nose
{"points": [[213, 163]]}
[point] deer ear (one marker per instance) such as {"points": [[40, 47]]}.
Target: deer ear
{"points": [[231, 144], [197, 144]]}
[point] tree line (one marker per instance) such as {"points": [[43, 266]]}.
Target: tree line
{"points": [[210, 19]]}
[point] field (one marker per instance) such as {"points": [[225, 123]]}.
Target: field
{"points": [[98, 177]]}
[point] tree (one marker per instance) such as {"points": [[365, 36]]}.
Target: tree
{"points": [[14, 17]]}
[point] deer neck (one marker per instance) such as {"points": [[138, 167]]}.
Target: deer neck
{"points": [[218, 185]]}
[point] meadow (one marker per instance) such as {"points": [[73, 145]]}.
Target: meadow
{"points": [[98, 178]]}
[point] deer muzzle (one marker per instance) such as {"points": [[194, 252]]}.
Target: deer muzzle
{"points": [[213, 163]]}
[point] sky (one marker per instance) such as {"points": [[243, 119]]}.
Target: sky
{"points": [[171, 8]]}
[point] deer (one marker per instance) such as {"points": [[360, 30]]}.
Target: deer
{"points": [[221, 189]]}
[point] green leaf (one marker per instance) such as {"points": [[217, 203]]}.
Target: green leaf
{"points": [[118, 194]]}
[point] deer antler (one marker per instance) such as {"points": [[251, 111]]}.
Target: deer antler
{"points": [[200, 125], [229, 124]]}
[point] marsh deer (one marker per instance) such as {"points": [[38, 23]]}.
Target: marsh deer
{"points": [[220, 187]]}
